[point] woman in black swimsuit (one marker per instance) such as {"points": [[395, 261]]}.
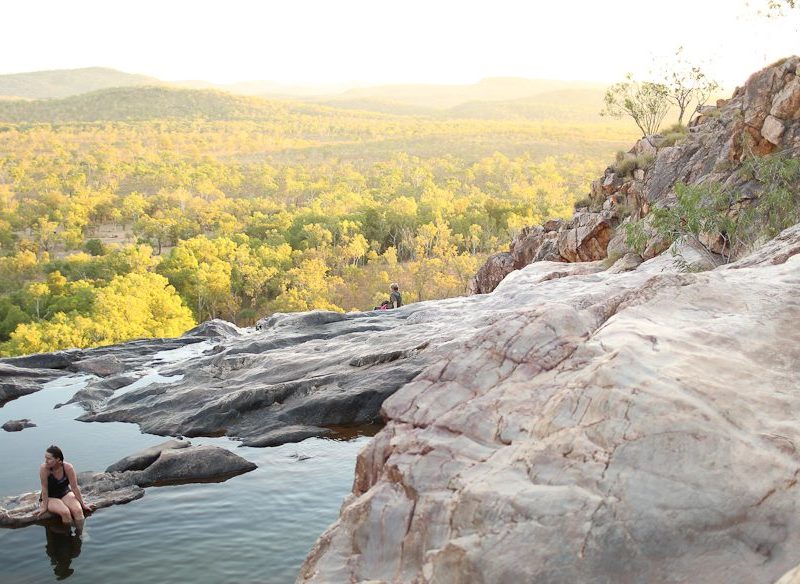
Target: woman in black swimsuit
{"points": [[60, 493]]}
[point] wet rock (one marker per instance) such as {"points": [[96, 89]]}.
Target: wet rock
{"points": [[173, 465], [17, 388], [136, 353], [16, 381], [100, 390], [284, 434], [307, 372], [21, 510], [104, 366], [299, 320], [18, 425], [146, 457], [55, 360], [189, 465], [215, 328], [25, 375]]}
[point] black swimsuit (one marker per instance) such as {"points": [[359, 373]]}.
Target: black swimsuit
{"points": [[57, 488]]}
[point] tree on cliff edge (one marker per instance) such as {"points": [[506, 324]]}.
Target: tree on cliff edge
{"points": [[645, 102], [687, 83]]}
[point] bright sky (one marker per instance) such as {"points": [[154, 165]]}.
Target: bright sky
{"points": [[380, 41]]}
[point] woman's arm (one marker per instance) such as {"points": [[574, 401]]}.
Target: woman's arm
{"points": [[73, 484], [44, 498]]}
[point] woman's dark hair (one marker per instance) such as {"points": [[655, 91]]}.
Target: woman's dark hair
{"points": [[56, 452]]}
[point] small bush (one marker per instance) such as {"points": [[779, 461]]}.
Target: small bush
{"points": [[95, 247], [713, 209], [247, 316], [626, 166], [671, 138], [674, 134], [585, 202], [636, 236], [778, 205], [677, 129], [629, 163], [625, 209], [644, 161]]}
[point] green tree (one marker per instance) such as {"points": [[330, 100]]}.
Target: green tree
{"points": [[308, 288], [645, 102], [131, 306], [687, 84]]}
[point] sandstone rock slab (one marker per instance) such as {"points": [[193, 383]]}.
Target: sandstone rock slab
{"points": [[629, 427]]}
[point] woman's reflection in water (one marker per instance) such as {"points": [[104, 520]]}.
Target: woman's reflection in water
{"points": [[62, 547]]}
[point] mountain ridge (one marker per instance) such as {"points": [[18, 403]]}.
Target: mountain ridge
{"points": [[59, 83], [142, 102]]}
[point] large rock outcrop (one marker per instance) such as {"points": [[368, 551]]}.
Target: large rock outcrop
{"points": [[762, 117], [630, 427], [298, 374], [721, 138]]}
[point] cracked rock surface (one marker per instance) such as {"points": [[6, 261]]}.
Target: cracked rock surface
{"points": [[641, 426]]}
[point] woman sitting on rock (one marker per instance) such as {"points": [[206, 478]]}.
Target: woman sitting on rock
{"points": [[60, 492]]}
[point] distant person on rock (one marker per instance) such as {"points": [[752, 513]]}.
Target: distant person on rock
{"points": [[60, 492], [395, 300]]}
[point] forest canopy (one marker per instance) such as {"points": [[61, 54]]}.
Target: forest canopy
{"points": [[196, 205]]}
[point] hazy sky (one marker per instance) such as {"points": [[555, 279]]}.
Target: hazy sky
{"points": [[375, 41]]}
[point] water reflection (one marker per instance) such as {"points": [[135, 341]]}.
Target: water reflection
{"points": [[62, 547], [346, 433]]}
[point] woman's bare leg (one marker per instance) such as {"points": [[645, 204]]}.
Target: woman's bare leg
{"points": [[71, 501], [58, 507]]}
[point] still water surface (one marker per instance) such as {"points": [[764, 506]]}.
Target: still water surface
{"points": [[257, 527]]}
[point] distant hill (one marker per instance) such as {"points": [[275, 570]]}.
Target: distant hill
{"points": [[492, 98], [573, 104], [147, 103], [66, 82], [566, 105], [449, 96], [137, 97], [384, 106]]}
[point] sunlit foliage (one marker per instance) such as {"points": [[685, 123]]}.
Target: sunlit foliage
{"points": [[117, 230]]}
